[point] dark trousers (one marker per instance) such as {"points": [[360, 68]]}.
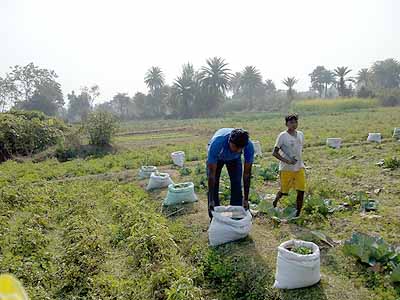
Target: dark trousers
{"points": [[234, 168]]}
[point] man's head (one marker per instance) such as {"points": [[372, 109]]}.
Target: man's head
{"points": [[292, 121], [238, 139]]}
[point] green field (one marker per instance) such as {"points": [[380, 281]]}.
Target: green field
{"points": [[86, 228]]}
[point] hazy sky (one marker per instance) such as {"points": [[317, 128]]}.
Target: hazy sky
{"points": [[113, 43]]}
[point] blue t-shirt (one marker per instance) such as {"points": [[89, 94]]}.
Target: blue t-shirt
{"points": [[219, 148]]}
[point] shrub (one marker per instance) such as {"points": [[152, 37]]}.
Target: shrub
{"points": [[389, 97], [101, 126], [26, 133], [392, 163]]}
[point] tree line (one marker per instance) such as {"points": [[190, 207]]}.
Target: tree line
{"points": [[206, 91]]}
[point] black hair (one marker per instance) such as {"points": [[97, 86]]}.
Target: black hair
{"points": [[239, 137], [291, 117]]}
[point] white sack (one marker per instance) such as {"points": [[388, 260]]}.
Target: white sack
{"points": [[178, 158], [374, 137], [257, 148], [224, 229], [294, 270], [159, 180], [334, 142], [180, 193], [145, 171]]}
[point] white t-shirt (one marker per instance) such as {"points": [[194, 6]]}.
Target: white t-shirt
{"points": [[290, 147]]}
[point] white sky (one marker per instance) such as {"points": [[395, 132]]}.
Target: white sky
{"points": [[112, 43]]}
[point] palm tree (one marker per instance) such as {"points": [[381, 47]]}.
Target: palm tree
{"points": [[363, 77], [215, 80], [341, 73], [184, 90], [328, 77], [235, 83], [154, 80], [320, 79], [270, 86], [250, 80], [290, 82]]}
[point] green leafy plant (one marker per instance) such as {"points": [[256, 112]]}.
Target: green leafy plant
{"points": [[301, 250], [373, 251], [269, 173], [277, 214], [315, 205], [26, 133], [101, 126], [185, 171], [391, 163]]}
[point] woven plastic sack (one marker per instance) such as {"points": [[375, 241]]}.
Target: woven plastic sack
{"points": [[145, 171], [229, 223], [178, 158], [159, 180], [396, 133], [180, 193], [334, 142], [374, 137], [295, 270], [257, 148]]}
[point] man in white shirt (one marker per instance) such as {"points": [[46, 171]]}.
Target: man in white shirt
{"points": [[288, 149]]}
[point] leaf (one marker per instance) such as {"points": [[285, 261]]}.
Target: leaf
{"points": [[370, 250], [324, 238], [395, 276]]}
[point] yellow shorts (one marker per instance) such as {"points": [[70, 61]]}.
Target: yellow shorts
{"points": [[293, 180]]}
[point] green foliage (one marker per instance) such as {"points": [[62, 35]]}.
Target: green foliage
{"points": [[392, 163], [185, 171], [316, 206], [302, 250], [101, 127], [236, 276], [389, 97], [333, 105], [374, 251], [269, 173], [395, 276], [24, 133], [370, 250], [61, 240], [277, 214]]}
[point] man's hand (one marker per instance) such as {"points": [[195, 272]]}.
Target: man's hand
{"points": [[246, 204], [211, 205], [290, 161]]}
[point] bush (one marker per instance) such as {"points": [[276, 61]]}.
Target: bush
{"points": [[392, 163], [332, 105], [389, 97], [26, 133], [363, 92], [101, 126], [234, 105]]}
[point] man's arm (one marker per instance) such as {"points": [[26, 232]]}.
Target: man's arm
{"points": [[212, 171], [281, 158], [246, 183]]}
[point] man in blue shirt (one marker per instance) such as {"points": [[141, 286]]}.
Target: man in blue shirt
{"points": [[226, 148]]}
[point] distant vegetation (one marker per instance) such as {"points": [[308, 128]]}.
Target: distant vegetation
{"points": [[333, 105], [211, 90]]}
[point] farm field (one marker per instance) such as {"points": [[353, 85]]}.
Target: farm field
{"points": [[87, 229]]}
